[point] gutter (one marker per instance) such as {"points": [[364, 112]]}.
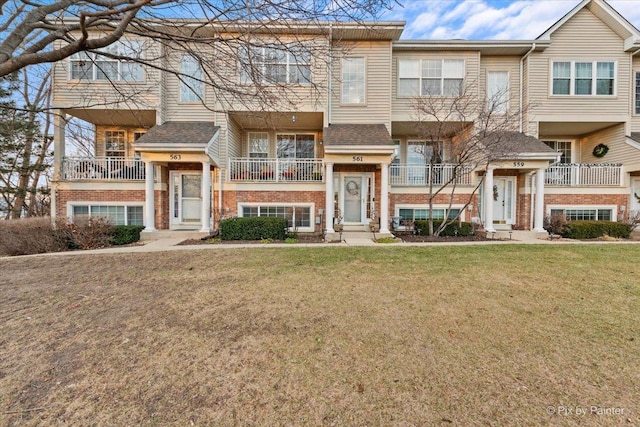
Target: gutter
{"points": [[526, 55]]}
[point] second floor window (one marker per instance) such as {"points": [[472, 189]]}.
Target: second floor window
{"points": [[583, 78], [271, 64], [637, 93], [94, 66], [563, 147], [353, 81], [114, 143], [423, 152], [498, 92], [259, 145], [191, 87], [295, 146], [430, 77]]}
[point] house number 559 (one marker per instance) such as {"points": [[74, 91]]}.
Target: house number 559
{"points": [[357, 158]]}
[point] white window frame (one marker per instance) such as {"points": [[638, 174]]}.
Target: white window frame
{"points": [[127, 205], [612, 208], [124, 143], [293, 58], [574, 154], [636, 92], [311, 206], [122, 48], [421, 77], [594, 78], [444, 207], [346, 83], [250, 146], [498, 102], [434, 144], [191, 85], [295, 151]]}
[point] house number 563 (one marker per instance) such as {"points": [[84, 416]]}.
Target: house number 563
{"points": [[357, 158], [175, 156]]}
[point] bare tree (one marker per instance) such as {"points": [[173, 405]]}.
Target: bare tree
{"points": [[461, 133], [24, 143]]}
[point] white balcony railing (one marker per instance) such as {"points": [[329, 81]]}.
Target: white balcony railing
{"points": [[584, 174], [102, 168], [275, 170], [421, 175]]}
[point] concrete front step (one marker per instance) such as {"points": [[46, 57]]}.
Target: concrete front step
{"points": [[519, 235], [354, 235]]}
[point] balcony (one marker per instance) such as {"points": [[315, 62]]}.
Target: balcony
{"points": [[102, 169], [275, 170], [584, 174], [421, 175]]}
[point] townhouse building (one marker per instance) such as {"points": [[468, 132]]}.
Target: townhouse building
{"points": [[172, 153]]}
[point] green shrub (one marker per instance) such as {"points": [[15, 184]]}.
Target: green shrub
{"points": [[462, 228], [595, 229], [253, 228], [125, 234]]}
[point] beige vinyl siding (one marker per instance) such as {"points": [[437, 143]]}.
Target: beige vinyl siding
{"points": [[273, 97], [402, 109], [510, 64], [236, 145], [377, 57], [614, 137], [92, 94], [583, 38]]}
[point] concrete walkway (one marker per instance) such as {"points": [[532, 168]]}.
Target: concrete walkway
{"points": [[349, 240]]}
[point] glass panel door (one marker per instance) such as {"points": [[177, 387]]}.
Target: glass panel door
{"points": [[191, 197], [503, 200], [353, 199]]}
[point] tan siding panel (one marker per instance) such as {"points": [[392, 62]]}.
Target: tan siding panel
{"points": [[583, 37], [614, 138], [378, 85]]}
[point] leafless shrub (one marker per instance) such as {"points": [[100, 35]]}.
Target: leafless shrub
{"points": [[633, 218], [555, 223], [28, 236], [86, 232]]}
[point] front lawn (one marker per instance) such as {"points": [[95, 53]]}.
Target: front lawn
{"points": [[402, 336]]}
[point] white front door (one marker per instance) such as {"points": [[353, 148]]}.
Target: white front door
{"points": [[503, 200], [355, 198], [635, 195], [186, 198]]}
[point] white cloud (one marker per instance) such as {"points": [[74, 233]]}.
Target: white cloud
{"points": [[492, 19]]}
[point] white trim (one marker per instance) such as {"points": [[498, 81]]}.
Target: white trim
{"points": [[311, 206], [70, 204], [177, 221], [507, 104], [613, 208], [421, 77], [295, 134], [511, 218], [364, 71], [444, 206], [249, 143], [632, 143], [594, 79]]}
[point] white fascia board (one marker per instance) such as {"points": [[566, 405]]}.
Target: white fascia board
{"points": [[633, 143], [360, 149]]}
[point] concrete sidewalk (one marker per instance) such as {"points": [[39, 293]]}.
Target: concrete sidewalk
{"points": [[349, 240]]}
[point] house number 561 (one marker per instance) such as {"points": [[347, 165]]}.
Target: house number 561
{"points": [[357, 158]]}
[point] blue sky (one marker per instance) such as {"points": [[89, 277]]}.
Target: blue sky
{"points": [[490, 19]]}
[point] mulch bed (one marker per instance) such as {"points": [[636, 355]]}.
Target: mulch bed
{"points": [[312, 238], [420, 239]]}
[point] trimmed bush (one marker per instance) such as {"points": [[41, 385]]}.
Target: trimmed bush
{"points": [[125, 234], [253, 228], [462, 228], [29, 236], [595, 229]]}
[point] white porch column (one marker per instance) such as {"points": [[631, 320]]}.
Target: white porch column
{"points": [[206, 197], [59, 137], [328, 211], [488, 201], [539, 209], [384, 199], [149, 201]]}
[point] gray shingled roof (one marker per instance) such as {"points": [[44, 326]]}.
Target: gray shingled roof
{"points": [[356, 134], [179, 133], [514, 143]]}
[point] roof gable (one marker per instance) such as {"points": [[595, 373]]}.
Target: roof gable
{"points": [[608, 15]]}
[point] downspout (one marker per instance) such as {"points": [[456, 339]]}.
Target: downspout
{"points": [[522, 86]]}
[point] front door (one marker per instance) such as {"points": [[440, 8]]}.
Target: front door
{"points": [[503, 197], [635, 195], [354, 192], [186, 198]]}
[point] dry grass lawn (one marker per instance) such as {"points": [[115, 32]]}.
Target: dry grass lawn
{"points": [[477, 335]]}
